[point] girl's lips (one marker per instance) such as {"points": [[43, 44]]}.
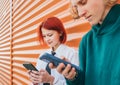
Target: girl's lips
{"points": [[49, 42]]}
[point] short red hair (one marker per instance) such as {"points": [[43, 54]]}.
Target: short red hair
{"points": [[52, 23]]}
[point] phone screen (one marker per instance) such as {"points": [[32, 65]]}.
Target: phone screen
{"points": [[29, 66]]}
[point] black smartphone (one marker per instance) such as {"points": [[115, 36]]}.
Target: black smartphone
{"points": [[29, 66], [55, 60]]}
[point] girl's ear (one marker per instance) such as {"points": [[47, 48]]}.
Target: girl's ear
{"points": [[61, 33]]}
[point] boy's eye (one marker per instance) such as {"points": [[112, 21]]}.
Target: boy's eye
{"points": [[81, 2]]}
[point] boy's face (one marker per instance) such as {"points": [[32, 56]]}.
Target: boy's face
{"points": [[92, 10]]}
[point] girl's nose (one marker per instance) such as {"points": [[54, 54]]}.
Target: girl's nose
{"points": [[47, 39]]}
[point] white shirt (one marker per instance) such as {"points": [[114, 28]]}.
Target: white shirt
{"points": [[62, 50]]}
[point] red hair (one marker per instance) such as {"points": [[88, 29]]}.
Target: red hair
{"points": [[52, 23]]}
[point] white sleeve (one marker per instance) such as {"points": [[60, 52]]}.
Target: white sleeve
{"points": [[59, 79], [40, 64], [73, 57]]}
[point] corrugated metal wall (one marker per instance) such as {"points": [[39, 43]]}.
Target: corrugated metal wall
{"points": [[18, 42], [5, 59]]}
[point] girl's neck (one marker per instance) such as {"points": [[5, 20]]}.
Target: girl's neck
{"points": [[55, 47]]}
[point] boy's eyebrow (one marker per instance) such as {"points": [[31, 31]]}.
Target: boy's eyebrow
{"points": [[81, 1], [75, 2], [78, 2]]}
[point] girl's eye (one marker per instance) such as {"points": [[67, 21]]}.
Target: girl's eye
{"points": [[43, 36], [49, 35]]}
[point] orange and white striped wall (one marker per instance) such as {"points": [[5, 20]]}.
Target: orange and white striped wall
{"points": [[18, 39]]}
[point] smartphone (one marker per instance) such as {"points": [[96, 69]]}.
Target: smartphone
{"points": [[55, 60], [29, 66]]}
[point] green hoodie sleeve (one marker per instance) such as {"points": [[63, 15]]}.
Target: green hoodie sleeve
{"points": [[77, 81]]}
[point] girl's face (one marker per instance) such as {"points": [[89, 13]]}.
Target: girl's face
{"points": [[93, 10], [51, 37]]}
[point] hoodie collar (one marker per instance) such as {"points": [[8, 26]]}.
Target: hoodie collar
{"points": [[110, 19]]}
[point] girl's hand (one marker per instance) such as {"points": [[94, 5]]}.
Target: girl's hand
{"points": [[45, 77], [40, 77], [33, 75]]}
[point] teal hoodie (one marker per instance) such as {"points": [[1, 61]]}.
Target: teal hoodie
{"points": [[99, 53]]}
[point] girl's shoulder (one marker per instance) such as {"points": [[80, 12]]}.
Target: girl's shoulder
{"points": [[65, 49]]}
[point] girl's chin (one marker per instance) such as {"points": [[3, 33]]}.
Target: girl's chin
{"points": [[50, 46]]}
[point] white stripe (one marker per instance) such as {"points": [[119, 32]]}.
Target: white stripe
{"points": [[18, 58], [5, 62], [17, 4], [73, 23], [20, 78], [31, 13], [5, 70], [63, 14], [28, 52], [2, 53], [5, 33], [25, 38], [53, 8], [5, 57], [5, 48], [26, 45], [5, 82], [26, 30], [4, 74], [5, 44], [75, 35], [4, 23]]}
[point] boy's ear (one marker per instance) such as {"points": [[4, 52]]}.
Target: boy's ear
{"points": [[74, 11]]}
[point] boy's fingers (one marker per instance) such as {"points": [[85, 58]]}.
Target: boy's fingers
{"points": [[66, 70], [60, 67], [71, 74]]}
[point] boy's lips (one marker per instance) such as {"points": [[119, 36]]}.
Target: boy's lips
{"points": [[89, 18]]}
